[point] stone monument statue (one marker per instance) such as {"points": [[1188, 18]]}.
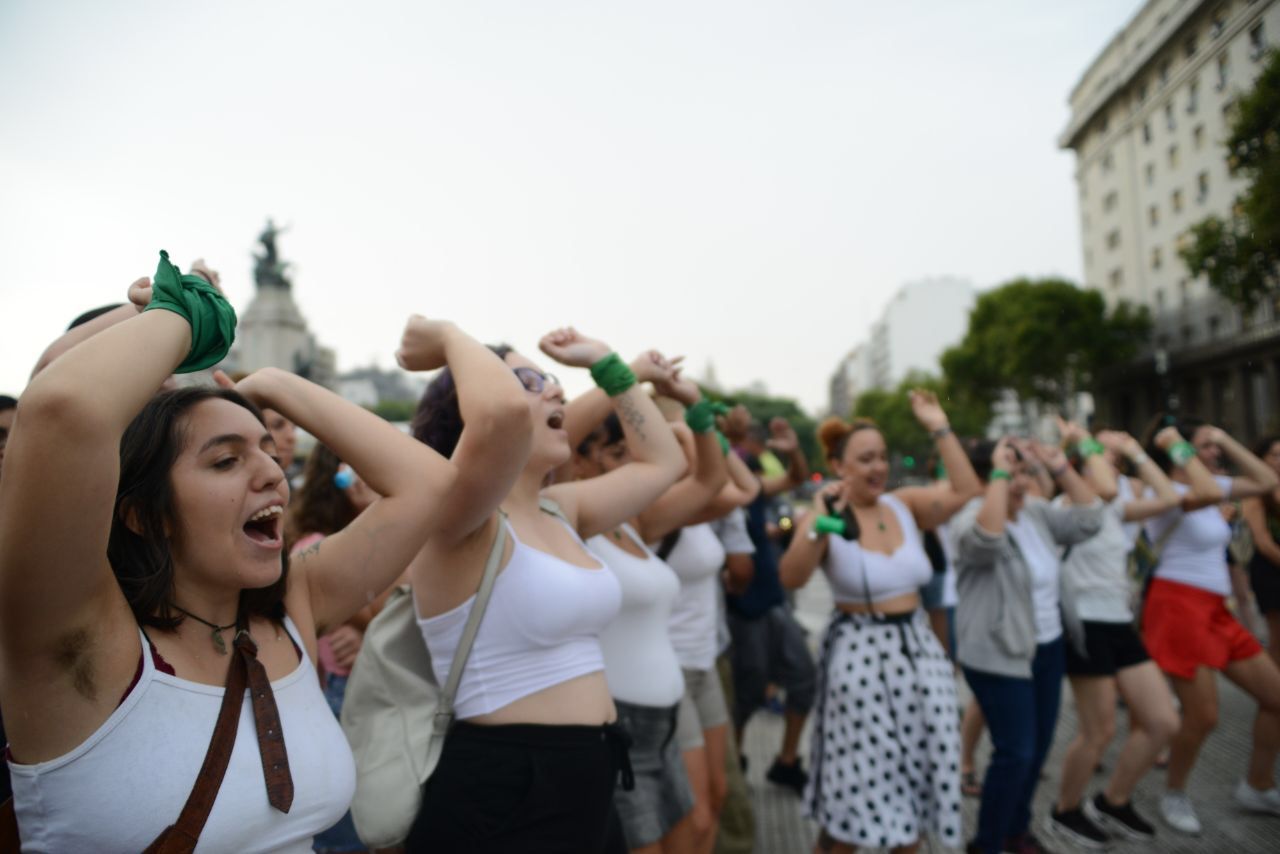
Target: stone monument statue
{"points": [[269, 270]]}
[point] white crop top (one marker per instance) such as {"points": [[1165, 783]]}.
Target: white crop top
{"points": [[858, 575], [639, 660], [697, 559], [128, 781], [542, 627]]}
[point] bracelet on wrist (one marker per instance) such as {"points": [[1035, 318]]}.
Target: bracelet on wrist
{"points": [[613, 375], [998, 474], [1181, 453], [700, 417], [940, 433], [1089, 447]]}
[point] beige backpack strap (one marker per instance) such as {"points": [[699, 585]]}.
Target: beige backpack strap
{"points": [[444, 712]]}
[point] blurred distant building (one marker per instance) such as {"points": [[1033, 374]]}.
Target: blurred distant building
{"points": [[372, 385], [1148, 119], [921, 320], [272, 331]]}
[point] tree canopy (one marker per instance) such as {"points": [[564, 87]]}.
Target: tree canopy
{"points": [[1240, 255], [891, 410], [1045, 339]]}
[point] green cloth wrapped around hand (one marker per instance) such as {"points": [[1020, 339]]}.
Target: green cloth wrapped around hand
{"points": [[212, 319]]}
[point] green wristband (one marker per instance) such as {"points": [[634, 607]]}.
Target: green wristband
{"points": [[613, 375], [1181, 452], [212, 319], [724, 443], [1090, 447], [700, 417], [999, 474]]}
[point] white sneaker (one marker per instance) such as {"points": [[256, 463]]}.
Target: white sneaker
{"points": [[1258, 801], [1178, 812]]}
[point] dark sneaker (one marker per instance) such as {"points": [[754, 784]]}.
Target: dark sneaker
{"points": [[1075, 827], [791, 776], [1025, 843], [1123, 819]]}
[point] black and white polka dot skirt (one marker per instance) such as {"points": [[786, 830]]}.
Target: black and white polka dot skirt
{"points": [[885, 753]]}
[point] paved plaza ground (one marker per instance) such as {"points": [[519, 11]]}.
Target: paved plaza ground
{"points": [[782, 830]]}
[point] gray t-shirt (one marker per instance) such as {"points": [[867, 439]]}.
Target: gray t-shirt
{"points": [[1094, 574]]}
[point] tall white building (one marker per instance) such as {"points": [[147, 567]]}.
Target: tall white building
{"points": [[921, 320], [1149, 116]]}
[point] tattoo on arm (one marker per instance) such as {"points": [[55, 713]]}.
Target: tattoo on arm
{"points": [[632, 416], [310, 550]]}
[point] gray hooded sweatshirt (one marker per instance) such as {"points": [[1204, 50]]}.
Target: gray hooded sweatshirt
{"points": [[995, 618]]}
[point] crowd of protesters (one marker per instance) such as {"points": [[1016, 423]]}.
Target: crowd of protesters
{"points": [[606, 576]]}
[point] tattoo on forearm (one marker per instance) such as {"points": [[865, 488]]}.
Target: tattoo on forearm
{"points": [[632, 416]]}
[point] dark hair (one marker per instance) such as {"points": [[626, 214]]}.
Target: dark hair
{"points": [[1260, 447], [143, 562], [980, 456], [1187, 425], [7, 403], [608, 433], [92, 313], [437, 422], [319, 507]]}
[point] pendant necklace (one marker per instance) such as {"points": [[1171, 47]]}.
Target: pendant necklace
{"points": [[215, 630]]}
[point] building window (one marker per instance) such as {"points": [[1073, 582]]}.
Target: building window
{"points": [[1189, 46], [1188, 334], [1113, 238], [1146, 132], [1109, 201], [1197, 137], [1116, 278], [1150, 174], [1228, 113], [1153, 215], [1182, 291], [1213, 327], [1173, 157], [1103, 123], [1160, 298], [1108, 162], [1215, 29], [1168, 117], [1176, 201], [1202, 187], [1164, 72], [1142, 91], [1257, 41], [1224, 70], [1193, 97], [1157, 258]]}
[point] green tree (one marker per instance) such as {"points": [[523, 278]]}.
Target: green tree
{"points": [[1240, 255], [891, 410], [1045, 339], [396, 410]]}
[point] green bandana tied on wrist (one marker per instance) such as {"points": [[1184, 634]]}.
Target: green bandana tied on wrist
{"points": [[1090, 447], [613, 375], [1181, 453], [724, 443], [998, 474], [212, 319], [701, 416]]}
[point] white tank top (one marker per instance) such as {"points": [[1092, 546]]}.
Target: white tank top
{"points": [[639, 660], [859, 576], [127, 782], [542, 627], [697, 559]]}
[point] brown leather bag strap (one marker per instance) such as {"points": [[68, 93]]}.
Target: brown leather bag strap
{"points": [[181, 836]]}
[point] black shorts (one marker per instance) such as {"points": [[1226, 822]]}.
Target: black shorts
{"points": [[523, 787], [1264, 577], [1111, 647]]}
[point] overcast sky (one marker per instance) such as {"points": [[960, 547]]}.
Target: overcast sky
{"points": [[742, 182]]}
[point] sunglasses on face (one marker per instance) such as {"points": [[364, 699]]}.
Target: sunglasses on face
{"points": [[534, 380]]}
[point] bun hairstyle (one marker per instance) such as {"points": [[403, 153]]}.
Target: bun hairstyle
{"points": [[834, 434]]}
